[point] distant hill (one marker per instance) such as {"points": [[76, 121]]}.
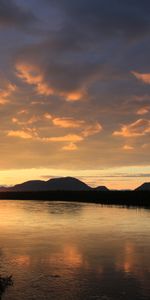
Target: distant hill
{"points": [[144, 187], [54, 184], [67, 183], [3, 188], [32, 185], [101, 188]]}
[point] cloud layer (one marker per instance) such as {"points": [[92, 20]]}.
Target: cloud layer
{"points": [[74, 83]]}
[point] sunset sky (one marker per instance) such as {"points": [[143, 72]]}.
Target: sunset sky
{"points": [[75, 91]]}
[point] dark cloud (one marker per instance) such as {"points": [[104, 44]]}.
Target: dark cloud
{"points": [[130, 19], [96, 41], [13, 15]]}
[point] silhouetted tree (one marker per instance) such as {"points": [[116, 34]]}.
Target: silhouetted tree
{"points": [[4, 283]]}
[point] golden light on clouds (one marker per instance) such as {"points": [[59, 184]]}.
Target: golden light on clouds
{"points": [[140, 127], [32, 75], [68, 122], [70, 147], [128, 147], [66, 138], [92, 129], [143, 77], [6, 92], [29, 128], [20, 134], [73, 96], [143, 110]]}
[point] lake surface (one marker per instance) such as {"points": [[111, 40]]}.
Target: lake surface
{"points": [[74, 251]]}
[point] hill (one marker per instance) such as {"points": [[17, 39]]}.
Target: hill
{"points": [[144, 187], [101, 188], [54, 184]]}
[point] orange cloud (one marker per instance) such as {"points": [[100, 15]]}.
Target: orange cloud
{"points": [[31, 75], [139, 128], [44, 89], [144, 77], [71, 139], [70, 147], [6, 92], [29, 121], [68, 122], [66, 138], [73, 96], [20, 133], [128, 147], [92, 129], [143, 110], [48, 116], [22, 112]]}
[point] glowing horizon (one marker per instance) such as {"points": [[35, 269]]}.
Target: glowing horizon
{"points": [[118, 178]]}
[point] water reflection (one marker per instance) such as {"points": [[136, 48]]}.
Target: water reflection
{"points": [[74, 251]]}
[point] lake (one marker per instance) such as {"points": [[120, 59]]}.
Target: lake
{"points": [[74, 251]]}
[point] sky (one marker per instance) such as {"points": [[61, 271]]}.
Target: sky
{"points": [[75, 91]]}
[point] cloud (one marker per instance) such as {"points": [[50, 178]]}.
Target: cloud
{"points": [[73, 96], [23, 134], [66, 138], [128, 147], [32, 75], [48, 116], [67, 122], [129, 18], [6, 92], [12, 14], [26, 122], [27, 131], [70, 147], [88, 46], [92, 129], [138, 128], [143, 110], [142, 77]]}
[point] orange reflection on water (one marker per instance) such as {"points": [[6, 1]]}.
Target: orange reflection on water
{"points": [[126, 259], [22, 260], [72, 256]]}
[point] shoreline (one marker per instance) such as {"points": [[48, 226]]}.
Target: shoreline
{"points": [[121, 198]]}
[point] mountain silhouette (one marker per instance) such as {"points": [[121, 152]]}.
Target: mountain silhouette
{"points": [[144, 187], [54, 184], [32, 185], [101, 188], [63, 184]]}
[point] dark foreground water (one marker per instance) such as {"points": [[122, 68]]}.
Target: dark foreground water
{"points": [[73, 251]]}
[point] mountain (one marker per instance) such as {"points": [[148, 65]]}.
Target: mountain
{"points": [[144, 187], [54, 184], [67, 183], [101, 189], [3, 188], [32, 185]]}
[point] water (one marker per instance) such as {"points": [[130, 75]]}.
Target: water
{"points": [[74, 251]]}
